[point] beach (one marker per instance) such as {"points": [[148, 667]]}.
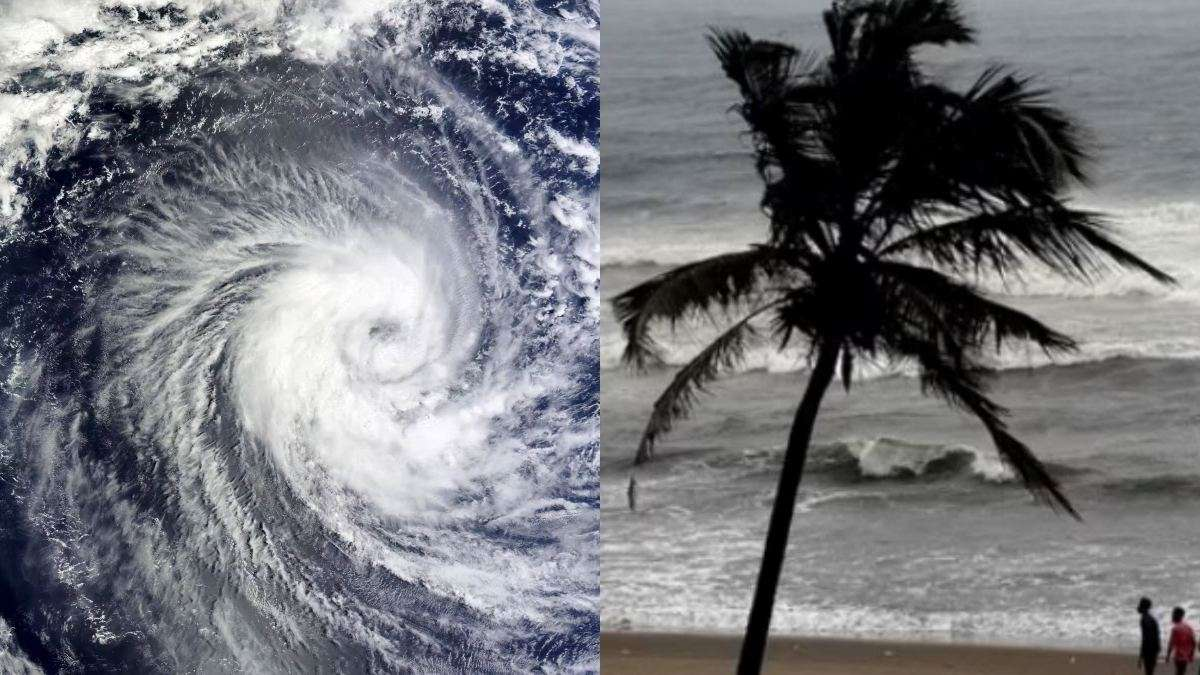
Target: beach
{"points": [[699, 654]]}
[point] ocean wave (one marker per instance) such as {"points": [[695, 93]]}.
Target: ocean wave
{"points": [[1053, 628], [851, 460], [890, 458], [1168, 486], [678, 349], [299, 372], [636, 263], [811, 500]]}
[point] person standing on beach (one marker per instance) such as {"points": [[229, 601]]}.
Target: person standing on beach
{"points": [[1181, 649], [1151, 641]]}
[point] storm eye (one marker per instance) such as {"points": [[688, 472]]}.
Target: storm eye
{"points": [[385, 332]]}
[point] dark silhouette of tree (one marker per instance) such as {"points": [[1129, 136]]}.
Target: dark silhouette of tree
{"points": [[889, 196]]}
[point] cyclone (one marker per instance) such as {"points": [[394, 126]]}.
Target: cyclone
{"points": [[300, 357]]}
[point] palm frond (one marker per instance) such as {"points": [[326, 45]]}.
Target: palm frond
{"points": [[799, 311], [718, 282], [1006, 103], [841, 27], [946, 308], [963, 384], [847, 367], [1002, 144], [783, 95], [1075, 244], [785, 103], [863, 33], [1005, 137], [766, 72], [893, 30], [676, 401]]}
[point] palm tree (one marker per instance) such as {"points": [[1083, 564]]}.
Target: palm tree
{"points": [[890, 196]]}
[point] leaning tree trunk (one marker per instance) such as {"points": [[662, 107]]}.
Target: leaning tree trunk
{"points": [[758, 626]]}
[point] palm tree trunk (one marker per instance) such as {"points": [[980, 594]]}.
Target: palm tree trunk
{"points": [[755, 645]]}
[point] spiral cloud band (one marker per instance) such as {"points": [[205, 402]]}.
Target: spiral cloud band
{"points": [[300, 366]]}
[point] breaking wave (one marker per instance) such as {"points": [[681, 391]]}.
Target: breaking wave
{"points": [[847, 461], [885, 458], [681, 348]]}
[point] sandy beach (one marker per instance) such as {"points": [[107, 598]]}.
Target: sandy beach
{"points": [[667, 654]]}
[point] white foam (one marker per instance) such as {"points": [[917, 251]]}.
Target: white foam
{"points": [[1106, 628], [887, 458]]}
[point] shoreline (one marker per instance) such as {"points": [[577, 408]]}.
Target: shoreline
{"points": [[704, 654]]}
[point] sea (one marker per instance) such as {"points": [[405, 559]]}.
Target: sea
{"points": [[298, 336], [908, 526]]}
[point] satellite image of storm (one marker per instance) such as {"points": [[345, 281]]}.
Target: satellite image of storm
{"points": [[299, 366]]}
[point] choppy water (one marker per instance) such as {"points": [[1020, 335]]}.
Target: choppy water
{"points": [[298, 362], [909, 526]]}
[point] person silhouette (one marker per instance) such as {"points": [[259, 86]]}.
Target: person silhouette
{"points": [[1181, 649], [1151, 640]]}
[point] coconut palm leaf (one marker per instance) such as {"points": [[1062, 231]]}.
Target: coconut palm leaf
{"points": [[1075, 244], [962, 384], [677, 400], [1000, 140], [719, 282], [1030, 134], [961, 312], [1000, 145], [893, 30], [785, 103]]}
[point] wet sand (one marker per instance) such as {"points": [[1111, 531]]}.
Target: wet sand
{"points": [[670, 654]]}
